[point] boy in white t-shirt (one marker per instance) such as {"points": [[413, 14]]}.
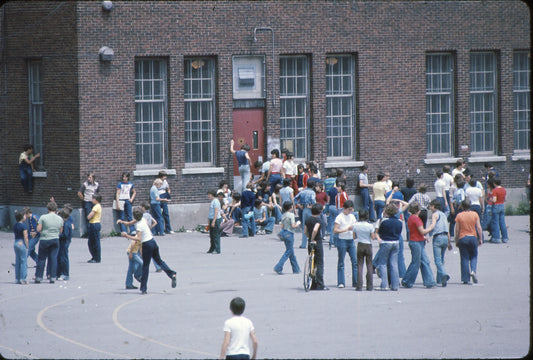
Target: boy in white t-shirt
{"points": [[343, 228], [239, 334]]}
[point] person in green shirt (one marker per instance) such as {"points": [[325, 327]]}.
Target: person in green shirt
{"points": [[50, 226]]}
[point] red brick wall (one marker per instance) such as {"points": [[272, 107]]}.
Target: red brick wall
{"points": [[389, 39], [47, 31]]}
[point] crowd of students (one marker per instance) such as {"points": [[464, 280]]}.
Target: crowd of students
{"points": [[461, 202], [290, 194]]}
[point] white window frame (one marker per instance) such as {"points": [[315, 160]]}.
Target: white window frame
{"points": [[294, 126], [521, 101], [36, 108], [200, 132], [150, 133], [483, 103], [436, 127], [338, 90]]}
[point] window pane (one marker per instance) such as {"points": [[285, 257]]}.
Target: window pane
{"points": [[199, 109], [36, 105], [482, 101], [439, 105], [150, 104], [522, 105], [340, 100], [294, 102]]}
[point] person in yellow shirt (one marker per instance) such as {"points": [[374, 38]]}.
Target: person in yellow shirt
{"points": [[379, 189], [94, 229]]}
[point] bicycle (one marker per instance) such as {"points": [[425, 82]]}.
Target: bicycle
{"points": [[309, 268]]}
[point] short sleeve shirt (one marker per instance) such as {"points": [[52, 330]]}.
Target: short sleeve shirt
{"points": [[52, 224], [473, 194], [364, 230], [467, 221], [125, 190], [379, 188], [287, 220], [19, 228], [276, 165], [215, 204], [344, 221], [413, 224], [97, 214], [500, 194], [240, 342], [146, 233]]}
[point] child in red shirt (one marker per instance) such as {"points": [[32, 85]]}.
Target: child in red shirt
{"points": [[417, 242], [498, 213]]}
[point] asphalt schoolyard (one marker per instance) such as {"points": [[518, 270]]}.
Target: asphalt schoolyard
{"points": [[92, 316]]}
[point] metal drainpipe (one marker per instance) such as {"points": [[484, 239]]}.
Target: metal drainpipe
{"points": [[255, 40]]}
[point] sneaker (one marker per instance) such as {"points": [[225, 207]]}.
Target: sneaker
{"points": [[340, 286], [174, 280], [171, 232], [277, 271], [405, 285], [445, 279], [474, 277], [505, 241], [131, 287]]}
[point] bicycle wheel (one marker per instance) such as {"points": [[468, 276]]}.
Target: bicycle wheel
{"points": [[308, 277]]}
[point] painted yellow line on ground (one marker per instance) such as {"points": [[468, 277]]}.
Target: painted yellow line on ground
{"points": [[119, 325], [51, 332], [18, 353]]}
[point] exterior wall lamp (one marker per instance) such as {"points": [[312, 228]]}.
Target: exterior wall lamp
{"points": [[106, 53]]}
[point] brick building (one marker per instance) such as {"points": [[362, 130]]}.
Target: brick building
{"points": [[403, 86]]}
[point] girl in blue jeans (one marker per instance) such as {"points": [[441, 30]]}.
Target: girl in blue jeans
{"points": [[21, 248], [286, 234]]}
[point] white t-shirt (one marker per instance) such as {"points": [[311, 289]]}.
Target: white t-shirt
{"points": [[473, 194], [290, 167], [448, 181], [439, 187], [240, 342], [344, 221], [363, 230], [144, 228]]}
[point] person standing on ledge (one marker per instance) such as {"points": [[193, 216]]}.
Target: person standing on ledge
{"points": [[244, 162]]}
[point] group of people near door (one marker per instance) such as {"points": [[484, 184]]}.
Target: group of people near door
{"points": [[462, 208]]}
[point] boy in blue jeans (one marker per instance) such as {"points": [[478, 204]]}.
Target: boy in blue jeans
{"points": [[65, 239], [286, 234]]}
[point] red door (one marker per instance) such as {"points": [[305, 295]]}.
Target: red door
{"points": [[248, 129]]}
